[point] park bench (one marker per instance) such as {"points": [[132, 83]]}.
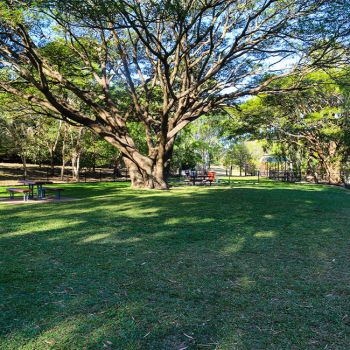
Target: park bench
{"points": [[200, 179], [52, 189], [24, 191]]}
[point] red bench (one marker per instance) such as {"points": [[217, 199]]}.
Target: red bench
{"points": [[211, 177]]}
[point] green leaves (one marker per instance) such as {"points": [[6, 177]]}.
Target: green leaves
{"points": [[11, 14]]}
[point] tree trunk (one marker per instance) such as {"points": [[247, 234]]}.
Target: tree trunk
{"points": [[52, 163], [24, 163], [64, 152], [333, 173], [52, 148], [144, 175], [147, 172], [63, 168], [94, 164], [75, 166]]}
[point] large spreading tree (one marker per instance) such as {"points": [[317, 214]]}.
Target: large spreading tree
{"points": [[131, 67]]}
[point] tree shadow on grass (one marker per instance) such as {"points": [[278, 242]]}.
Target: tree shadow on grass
{"points": [[198, 268]]}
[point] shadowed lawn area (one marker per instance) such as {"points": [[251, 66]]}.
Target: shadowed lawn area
{"points": [[249, 267]]}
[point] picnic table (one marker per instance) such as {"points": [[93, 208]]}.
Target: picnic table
{"points": [[194, 177], [197, 177], [38, 184]]}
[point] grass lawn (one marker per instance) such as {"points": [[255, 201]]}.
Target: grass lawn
{"points": [[249, 267]]}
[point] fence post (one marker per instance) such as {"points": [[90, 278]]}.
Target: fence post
{"points": [[100, 175], [47, 174], [85, 175]]}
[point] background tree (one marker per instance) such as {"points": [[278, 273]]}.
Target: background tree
{"points": [[239, 155], [206, 132], [22, 134], [310, 126], [52, 130], [185, 155], [99, 153]]}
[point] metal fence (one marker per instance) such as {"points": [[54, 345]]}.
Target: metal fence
{"points": [[334, 178], [11, 174], [286, 176]]}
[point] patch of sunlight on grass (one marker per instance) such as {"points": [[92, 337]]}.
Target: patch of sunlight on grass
{"points": [[245, 282], [44, 340], [236, 247], [42, 227], [269, 216], [182, 220], [265, 234], [104, 238], [149, 213], [96, 237], [232, 339], [60, 334], [321, 255]]}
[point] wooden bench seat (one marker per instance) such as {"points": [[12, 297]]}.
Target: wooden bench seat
{"points": [[57, 191], [25, 192]]}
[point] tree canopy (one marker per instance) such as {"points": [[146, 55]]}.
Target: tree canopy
{"points": [[126, 68], [311, 125]]}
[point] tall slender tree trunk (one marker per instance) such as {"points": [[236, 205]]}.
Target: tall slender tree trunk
{"points": [[24, 163], [52, 162], [76, 165], [52, 148], [94, 163], [63, 167]]}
